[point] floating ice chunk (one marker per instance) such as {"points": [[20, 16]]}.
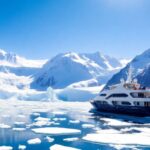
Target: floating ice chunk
{"points": [[74, 121], [115, 122], [42, 119], [61, 147], [41, 123], [108, 131], [120, 147], [21, 147], [59, 119], [19, 123], [71, 139], [5, 116], [35, 114], [88, 126], [56, 131], [49, 139], [119, 138], [34, 141], [6, 148], [21, 116], [19, 129], [56, 123], [2, 125], [59, 112]]}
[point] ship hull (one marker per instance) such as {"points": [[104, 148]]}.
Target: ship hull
{"points": [[131, 110]]}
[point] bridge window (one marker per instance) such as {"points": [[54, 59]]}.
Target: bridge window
{"points": [[118, 95], [140, 95], [125, 103], [103, 94]]}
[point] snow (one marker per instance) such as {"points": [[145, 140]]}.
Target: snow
{"points": [[93, 68], [61, 147], [6, 148], [56, 131], [34, 141], [138, 64]]}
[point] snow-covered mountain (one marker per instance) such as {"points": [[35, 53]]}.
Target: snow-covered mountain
{"points": [[138, 65], [144, 77], [13, 60], [15, 71], [68, 68]]}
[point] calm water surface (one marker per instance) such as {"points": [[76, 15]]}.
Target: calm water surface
{"points": [[17, 120]]}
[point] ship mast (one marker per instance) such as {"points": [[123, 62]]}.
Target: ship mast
{"points": [[129, 74]]}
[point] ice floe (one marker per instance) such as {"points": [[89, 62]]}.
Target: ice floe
{"points": [[59, 119], [56, 131], [61, 147], [71, 139], [19, 129], [21, 147], [74, 121], [49, 139], [88, 126], [119, 138], [34, 141], [19, 123], [59, 112], [2, 125], [115, 122], [6, 148]]}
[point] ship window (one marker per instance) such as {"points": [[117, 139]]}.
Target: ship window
{"points": [[140, 95], [103, 102], [137, 103], [114, 102], [117, 95], [125, 103], [103, 94]]}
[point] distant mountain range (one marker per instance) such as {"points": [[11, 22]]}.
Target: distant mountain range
{"points": [[69, 68], [140, 70]]}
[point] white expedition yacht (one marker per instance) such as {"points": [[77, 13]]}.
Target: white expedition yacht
{"points": [[128, 97]]}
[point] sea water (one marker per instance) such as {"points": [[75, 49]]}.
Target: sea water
{"points": [[69, 124]]}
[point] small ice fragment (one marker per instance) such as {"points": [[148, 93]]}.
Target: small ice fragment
{"points": [[19, 129], [35, 114], [59, 119], [6, 148], [19, 123], [61, 147], [88, 126], [2, 125], [74, 121], [56, 131], [34, 141], [42, 119], [49, 139], [21, 147], [71, 139], [59, 113]]}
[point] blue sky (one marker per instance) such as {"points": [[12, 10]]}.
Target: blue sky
{"points": [[44, 28]]}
